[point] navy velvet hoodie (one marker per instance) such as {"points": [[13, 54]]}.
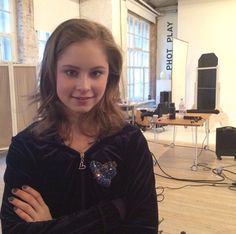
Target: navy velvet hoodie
{"points": [[118, 168]]}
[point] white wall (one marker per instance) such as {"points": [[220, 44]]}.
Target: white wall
{"points": [[48, 14], [99, 11], [209, 26], [108, 13]]}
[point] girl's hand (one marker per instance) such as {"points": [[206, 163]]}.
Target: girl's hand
{"points": [[29, 204]]}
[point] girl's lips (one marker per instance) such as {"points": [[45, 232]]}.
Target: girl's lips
{"points": [[82, 98]]}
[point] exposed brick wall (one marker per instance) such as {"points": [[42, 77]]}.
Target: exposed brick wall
{"points": [[26, 35], [153, 60]]}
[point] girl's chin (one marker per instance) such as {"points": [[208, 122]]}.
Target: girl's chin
{"points": [[79, 111]]}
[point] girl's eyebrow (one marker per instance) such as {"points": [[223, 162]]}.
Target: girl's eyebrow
{"points": [[70, 66], [75, 67], [99, 67]]}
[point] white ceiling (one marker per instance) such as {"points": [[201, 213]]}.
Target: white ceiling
{"points": [[161, 3]]}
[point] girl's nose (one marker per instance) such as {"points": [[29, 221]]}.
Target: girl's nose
{"points": [[83, 82]]}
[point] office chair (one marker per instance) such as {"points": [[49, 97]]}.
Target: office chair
{"points": [[144, 118]]}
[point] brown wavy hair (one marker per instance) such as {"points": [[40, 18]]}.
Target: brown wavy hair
{"points": [[103, 119]]}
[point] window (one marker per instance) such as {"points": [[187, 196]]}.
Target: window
{"points": [[138, 72], [42, 39], [5, 31]]}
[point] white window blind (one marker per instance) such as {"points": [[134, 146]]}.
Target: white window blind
{"points": [[138, 72], [42, 39]]}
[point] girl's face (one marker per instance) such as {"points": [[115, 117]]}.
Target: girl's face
{"points": [[82, 74]]}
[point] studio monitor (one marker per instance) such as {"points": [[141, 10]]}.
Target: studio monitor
{"points": [[226, 142]]}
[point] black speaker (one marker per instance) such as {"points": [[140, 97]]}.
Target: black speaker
{"points": [[172, 110], [208, 60], [206, 82], [165, 96], [164, 108], [225, 142], [206, 89]]}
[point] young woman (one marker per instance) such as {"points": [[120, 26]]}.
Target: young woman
{"points": [[79, 168]]}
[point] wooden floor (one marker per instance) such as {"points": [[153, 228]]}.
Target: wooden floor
{"points": [[195, 208]]}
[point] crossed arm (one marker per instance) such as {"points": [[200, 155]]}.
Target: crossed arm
{"points": [[31, 215], [29, 204]]}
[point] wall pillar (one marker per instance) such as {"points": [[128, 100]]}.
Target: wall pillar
{"points": [[26, 35]]}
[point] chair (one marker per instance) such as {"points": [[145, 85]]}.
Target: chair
{"points": [[140, 121], [162, 108], [144, 118]]}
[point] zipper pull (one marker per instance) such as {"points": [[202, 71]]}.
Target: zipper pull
{"points": [[81, 165]]}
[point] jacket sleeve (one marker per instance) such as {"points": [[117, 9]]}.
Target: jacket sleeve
{"points": [[103, 217], [141, 197]]}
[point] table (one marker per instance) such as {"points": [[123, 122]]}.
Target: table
{"points": [[195, 122], [128, 107]]}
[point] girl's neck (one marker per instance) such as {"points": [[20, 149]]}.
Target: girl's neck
{"points": [[80, 142], [82, 134]]}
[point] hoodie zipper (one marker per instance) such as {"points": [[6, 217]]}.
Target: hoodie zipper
{"points": [[82, 166]]}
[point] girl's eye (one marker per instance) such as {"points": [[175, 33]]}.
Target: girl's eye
{"points": [[71, 73], [96, 74]]}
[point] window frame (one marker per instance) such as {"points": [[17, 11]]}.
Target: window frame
{"points": [[135, 66], [12, 34], [42, 37]]}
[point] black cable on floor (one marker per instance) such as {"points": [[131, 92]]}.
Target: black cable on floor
{"points": [[213, 183]]}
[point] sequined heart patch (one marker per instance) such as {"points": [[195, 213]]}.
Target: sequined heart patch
{"points": [[103, 172]]}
